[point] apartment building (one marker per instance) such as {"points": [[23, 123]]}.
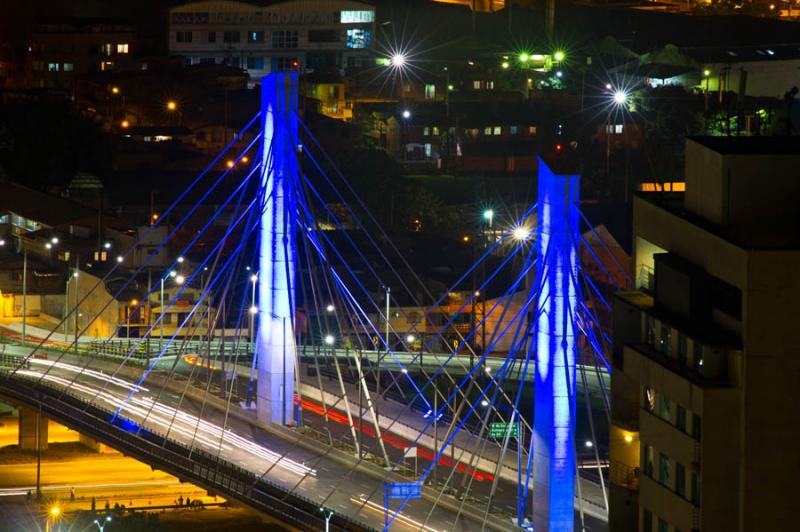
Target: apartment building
{"points": [[706, 359], [264, 37]]}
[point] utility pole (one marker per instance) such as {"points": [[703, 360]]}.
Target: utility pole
{"points": [[550, 19], [24, 292]]}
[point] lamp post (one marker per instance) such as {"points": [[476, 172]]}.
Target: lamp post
{"points": [[328, 514], [102, 526], [52, 516], [173, 274], [253, 307], [73, 275]]}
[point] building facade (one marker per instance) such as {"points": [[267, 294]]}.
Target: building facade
{"points": [[307, 35], [704, 387]]}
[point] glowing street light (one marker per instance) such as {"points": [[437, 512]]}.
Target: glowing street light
{"points": [[410, 338], [329, 339], [107, 245], [253, 309], [559, 55], [180, 279], [398, 60], [180, 260], [173, 274], [330, 308], [484, 403], [254, 278], [172, 105], [523, 57], [120, 258], [102, 525], [124, 124], [505, 65], [620, 97], [115, 90], [488, 214], [54, 240], [706, 73], [520, 233], [406, 114]]}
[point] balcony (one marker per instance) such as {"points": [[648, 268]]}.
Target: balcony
{"points": [[624, 475]]}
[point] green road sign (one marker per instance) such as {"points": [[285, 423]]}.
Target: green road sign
{"points": [[501, 430]]}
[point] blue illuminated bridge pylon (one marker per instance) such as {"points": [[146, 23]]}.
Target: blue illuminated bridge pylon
{"points": [[354, 420]]}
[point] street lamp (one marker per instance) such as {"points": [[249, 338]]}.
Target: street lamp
{"points": [[328, 514], [104, 523], [410, 338], [330, 308], [559, 55], [620, 97], [329, 339], [520, 233], [398, 60], [406, 114], [180, 279], [52, 516], [253, 307], [172, 105]]}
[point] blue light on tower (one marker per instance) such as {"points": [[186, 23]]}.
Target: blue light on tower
{"points": [[275, 345], [553, 446]]}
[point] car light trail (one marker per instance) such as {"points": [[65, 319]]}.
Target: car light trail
{"points": [[403, 518], [174, 421]]}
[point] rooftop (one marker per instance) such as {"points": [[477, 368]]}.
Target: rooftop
{"points": [[751, 145]]}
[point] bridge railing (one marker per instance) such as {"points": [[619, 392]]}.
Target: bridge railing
{"points": [[187, 462]]}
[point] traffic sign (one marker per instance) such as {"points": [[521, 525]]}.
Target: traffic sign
{"points": [[501, 430]]}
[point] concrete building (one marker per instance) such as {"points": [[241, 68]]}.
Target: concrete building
{"points": [[704, 389], [264, 37]]}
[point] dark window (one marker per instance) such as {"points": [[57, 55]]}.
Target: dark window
{"points": [[255, 63], [695, 489], [183, 36], [663, 526], [649, 457], [726, 298], [650, 330], [231, 36], [323, 36], [683, 348], [284, 39], [696, 422], [680, 479], [212, 36], [697, 357], [680, 418], [255, 36], [665, 409], [665, 344], [663, 469], [647, 521]]}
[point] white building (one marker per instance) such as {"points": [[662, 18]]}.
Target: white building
{"points": [[264, 37]]}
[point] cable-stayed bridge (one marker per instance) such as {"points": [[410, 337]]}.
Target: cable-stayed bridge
{"points": [[286, 387]]}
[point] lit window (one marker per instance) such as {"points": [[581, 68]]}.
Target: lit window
{"points": [[435, 130], [512, 130], [487, 131], [476, 85], [649, 458], [106, 65], [531, 130], [69, 67], [498, 130], [255, 36], [356, 17], [697, 355], [426, 131], [428, 150], [107, 49], [53, 67], [356, 38], [122, 48], [430, 91], [490, 85], [618, 129]]}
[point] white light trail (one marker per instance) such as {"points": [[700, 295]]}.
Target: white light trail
{"points": [[146, 410], [403, 518]]}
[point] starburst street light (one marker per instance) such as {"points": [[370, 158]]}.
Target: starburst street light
{"points": [[406, 114], [620, 97], [329, 339], [520, 233], [559, 55], [398, 60]]}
